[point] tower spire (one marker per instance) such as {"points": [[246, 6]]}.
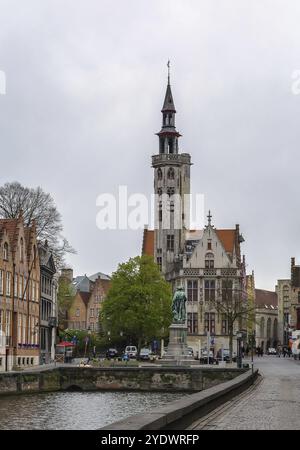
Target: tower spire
{"points": [[168, 135]]}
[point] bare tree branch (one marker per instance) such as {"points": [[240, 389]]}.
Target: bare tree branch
{"points": [[35, 204]]}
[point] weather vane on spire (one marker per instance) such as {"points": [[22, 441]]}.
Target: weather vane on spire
{"points": [[168, 64], [209, 218]]}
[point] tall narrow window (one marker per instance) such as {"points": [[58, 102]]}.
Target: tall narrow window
{"points": [[159, 262], [192, 290], [224, 324], [170, 146], [160, 212], [209, 322], [1, 282], [209, 261], [170, 242], [8, 282], [21, 250], [21, 286], [16, 285], [192, 323], [5, 251], [34, 256], [209, 290], [227, 290], [171, 173], [159, 173]]}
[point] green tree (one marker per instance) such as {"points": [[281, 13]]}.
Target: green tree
{"points": [[138, 303], [65, 296]]}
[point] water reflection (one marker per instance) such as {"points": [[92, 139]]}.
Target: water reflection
{"points": [[75, 410]]}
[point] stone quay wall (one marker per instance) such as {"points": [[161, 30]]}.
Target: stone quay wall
{"points": [[180, 414], [167, 379]]}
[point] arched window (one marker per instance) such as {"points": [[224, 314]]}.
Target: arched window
{"points": [[159, 173], [171, 173], [262, 327], [209, 261], [5, 251], [21, 249]]}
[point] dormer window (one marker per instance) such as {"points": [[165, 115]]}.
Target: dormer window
{"points": [[5, 251]]}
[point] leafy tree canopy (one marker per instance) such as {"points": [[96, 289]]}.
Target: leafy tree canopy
{"points": [[138, 302]]}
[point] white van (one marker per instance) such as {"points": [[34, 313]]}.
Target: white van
{"points": [[131, 351]]}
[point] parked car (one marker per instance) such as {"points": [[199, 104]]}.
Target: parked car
{"points": [[226, 355], [146, 355], [112, 353], [131, 351], [203, 359], [191, 352], [272, 351]]}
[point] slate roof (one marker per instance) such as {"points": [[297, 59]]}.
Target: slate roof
{"points": [[266, 299]]}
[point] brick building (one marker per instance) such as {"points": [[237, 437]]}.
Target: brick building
{"points": [[89, 294], [19, 295]]}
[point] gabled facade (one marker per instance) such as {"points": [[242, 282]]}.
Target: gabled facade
{"points": [[288, 291], [266, 316], [19, 295], [48, 304], [89, 294]]}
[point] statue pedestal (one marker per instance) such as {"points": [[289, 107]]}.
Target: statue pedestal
{"points": [[177, 352]]}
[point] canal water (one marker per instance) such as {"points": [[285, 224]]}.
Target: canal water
{"points": [[76, 410]]}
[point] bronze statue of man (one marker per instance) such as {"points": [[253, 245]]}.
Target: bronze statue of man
{"points": [[178, 306]]}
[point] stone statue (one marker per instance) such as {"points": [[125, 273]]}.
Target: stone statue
{"points": [[178, 306]]}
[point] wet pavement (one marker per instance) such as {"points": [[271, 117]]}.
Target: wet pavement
{"points": [[273, 403]]}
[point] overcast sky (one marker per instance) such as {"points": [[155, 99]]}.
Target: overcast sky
{"points": [[85, 85]]}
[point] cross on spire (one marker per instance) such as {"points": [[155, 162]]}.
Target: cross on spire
{"points": [[209, 217], [168, 64]]}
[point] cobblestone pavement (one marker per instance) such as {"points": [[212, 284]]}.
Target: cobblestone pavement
{"points": [[273, 403]]}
